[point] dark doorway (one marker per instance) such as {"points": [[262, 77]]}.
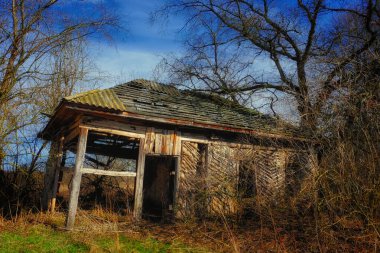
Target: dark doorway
{"points": [[294, 175], [158, 195], [247, 180], [247, 188]]}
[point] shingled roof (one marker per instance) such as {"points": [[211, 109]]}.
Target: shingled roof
{"points": [[157, 100]]}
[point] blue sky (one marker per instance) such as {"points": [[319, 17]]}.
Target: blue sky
{"points": [[136, 52]]}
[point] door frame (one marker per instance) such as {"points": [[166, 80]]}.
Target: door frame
{"points": [[177, 162]]}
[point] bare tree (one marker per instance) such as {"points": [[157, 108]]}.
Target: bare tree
{"points": [[211, 65], [306, 54], [325, 56], [29, 30], [69, 69]]}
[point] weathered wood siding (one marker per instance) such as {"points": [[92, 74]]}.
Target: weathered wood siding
{"points": [[207, 180], [162, 142], [269, 168], [188, 180], [217, 187], [222, 179]]}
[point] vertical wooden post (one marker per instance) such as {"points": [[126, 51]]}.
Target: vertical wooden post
{"points": [[176, 185], [57, 167], [139, 181], [75, 185], [49, 174]]}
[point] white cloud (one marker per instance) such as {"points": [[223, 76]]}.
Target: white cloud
{"points": [[123, 64]]}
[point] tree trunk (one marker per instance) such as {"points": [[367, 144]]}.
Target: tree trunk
{"points": [[308, 116]]}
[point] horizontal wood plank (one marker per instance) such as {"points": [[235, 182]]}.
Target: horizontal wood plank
{"points": [[111, 131], [108, 172], [114, 125]]}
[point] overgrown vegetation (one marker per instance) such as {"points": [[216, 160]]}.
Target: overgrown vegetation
{"points": [[42, 59], [37, 233], [325, 60]]}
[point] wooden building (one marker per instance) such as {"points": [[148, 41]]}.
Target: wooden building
{"points": [[191, 150]]}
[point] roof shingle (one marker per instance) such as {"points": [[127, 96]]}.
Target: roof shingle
{"points": [[156, 100]]}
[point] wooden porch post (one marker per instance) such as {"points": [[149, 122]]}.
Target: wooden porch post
{"points": [[57, 167], [75, 185], [137, 210]]}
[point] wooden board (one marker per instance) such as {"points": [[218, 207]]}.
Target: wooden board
{"points": [[108, 172], [114, 125], [57, 168], [162, 142], [139, 182], [75, 186]]}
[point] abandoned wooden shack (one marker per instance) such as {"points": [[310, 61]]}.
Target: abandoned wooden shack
{"points": [[193, 154]]}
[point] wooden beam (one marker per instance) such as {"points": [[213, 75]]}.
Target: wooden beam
{"points": [[111, 131], [114, 125], [191, 123], [137, 211], [235, 144], [108, 172], [176, 184], [57, 168], [72, 134], [75, 185]]}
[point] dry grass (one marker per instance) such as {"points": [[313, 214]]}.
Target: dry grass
{"points": [[99, 231], [207, 236], [46, 233]]}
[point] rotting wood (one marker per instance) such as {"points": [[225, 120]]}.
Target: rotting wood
{"points": [[170, 139], [158, 143], [149, 140], [108, 172], [177, 144], [164, 143], [139, 181], [75, 185]]}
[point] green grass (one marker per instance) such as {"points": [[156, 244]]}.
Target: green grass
{"points": [[41, 238]]}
